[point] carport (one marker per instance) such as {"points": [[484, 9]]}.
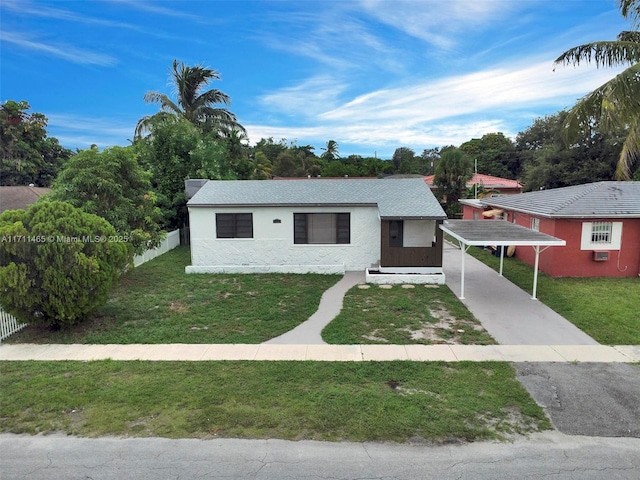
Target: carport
{"points": [[500, 233]]}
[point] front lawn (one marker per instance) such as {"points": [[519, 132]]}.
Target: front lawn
{"points": [[405, 314], [607, 309], [354, 401], [159, 303]]}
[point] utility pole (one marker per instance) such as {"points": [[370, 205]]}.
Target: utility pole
{"points": [[475, 185]]}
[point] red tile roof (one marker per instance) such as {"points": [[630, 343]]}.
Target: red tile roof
{"points": [[487, 181]]}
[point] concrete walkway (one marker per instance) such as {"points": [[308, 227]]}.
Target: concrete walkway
{"points": [[309, 332], [507, 312], [342, 353]]}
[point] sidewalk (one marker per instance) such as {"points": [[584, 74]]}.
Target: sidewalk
{"points": [[330, 353]]}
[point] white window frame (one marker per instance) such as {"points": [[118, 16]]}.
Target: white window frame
{"points": [[601, 235], [535, 224]]}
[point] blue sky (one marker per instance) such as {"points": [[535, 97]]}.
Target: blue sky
{"points": [[373, 75]]}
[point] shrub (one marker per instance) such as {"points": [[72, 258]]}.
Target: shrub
{"points": [[57, 263]]}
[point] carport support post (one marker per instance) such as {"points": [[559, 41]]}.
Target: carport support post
{"points": [[462, 252], [535, 272]]}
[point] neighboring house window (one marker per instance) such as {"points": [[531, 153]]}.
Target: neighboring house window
{"points": [[601, 236], [234, 225], [321, 228], [535, 224], [601, 232], [396, 230]]}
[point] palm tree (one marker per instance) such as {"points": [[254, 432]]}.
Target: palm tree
{"points": [[331, 151], [616, 104], [193, 104]]}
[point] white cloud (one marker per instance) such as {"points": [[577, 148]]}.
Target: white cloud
{"points": [[66, 52], [503, 87], [313, 96], [438, 22], [444, 111]]}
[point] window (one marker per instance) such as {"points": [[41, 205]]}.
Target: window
{"points": [[535, 224], [601, 232], [601, 236], [234, 225], [321, 228]]}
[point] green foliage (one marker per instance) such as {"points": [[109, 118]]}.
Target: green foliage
{"points": [[27, 155], [192, 103], [549, 163], [401, 155], [57, 263], [495, 154], [175, 151], [616, 104], [112, 185], [331, 151], [452, 173]]}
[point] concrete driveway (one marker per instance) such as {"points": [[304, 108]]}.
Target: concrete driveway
{"points": [[507, 312]]}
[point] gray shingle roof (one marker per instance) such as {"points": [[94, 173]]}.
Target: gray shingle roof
{"points": [[395, 198], [496, 232], [592, 200]]}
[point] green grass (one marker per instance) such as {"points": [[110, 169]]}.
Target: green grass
{"points": [[158, 303], [422, 315], [355, 401], [607, 309]]}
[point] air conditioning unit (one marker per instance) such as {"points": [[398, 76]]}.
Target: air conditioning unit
{"points": [[600, 256]]}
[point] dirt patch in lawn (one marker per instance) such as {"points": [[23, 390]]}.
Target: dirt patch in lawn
{"points": [[446, 330], [178, 307]]}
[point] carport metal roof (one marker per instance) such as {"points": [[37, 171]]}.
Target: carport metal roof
{"points": [[499, 233]]}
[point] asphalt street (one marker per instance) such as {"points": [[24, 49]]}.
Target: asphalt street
{"points": [[600, 399], [551, 454]]}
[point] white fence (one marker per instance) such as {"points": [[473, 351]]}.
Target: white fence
{"points": [[8, 325], [169, 243]]}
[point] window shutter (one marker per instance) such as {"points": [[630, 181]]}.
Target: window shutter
{"points": [[224, 225], [343, 229], [244, 225], [300, 228]]}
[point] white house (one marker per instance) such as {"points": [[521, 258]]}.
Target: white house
{"points": [[389, 227]]}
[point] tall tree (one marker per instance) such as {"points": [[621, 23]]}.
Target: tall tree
{"points": [[616, 104], [400, 155], [112, 185], [193, 103], [550, 163], [452, 173], [495, 154], [331, 151], [176, 151], [27, 155]]}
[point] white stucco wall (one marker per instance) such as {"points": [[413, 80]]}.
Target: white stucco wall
{"points": [[418, 233], [272, 249]]}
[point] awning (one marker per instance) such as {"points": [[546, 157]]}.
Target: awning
{"points": [[492, 213], [499, 233]]}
